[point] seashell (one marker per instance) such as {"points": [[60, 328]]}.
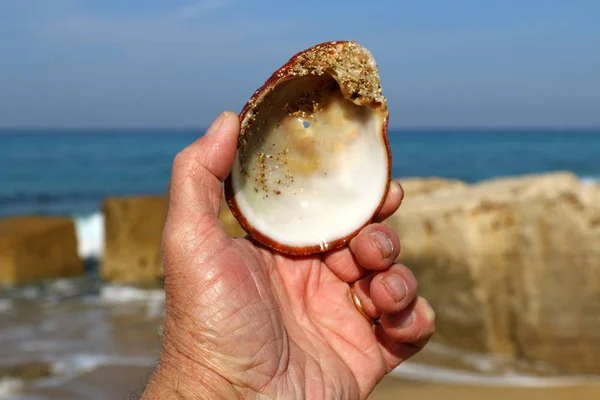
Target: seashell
{"points": [[313, 162]]}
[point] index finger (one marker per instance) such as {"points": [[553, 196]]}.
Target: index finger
{"points": [[392, 202]]}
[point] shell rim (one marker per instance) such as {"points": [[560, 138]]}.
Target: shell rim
{"points": [[276, 78]]}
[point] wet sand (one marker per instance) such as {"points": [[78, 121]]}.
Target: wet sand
{"points": [[113, 382], [127, 382], [394, 388], [103, 346]]}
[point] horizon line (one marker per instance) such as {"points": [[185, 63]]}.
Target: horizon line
{"points": [[51, 129]]}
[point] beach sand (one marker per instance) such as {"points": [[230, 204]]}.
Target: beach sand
{"points": [[103, 346], [114, 382], [127, 382], [394, 388]]}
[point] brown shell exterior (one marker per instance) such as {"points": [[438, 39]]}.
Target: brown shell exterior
{"points": [[316, 60]]}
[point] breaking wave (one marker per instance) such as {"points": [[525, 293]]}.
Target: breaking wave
{"points": [[90, 235]]}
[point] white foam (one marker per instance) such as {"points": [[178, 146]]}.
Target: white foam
{"points": [[74, 365], [117, 294], [9, 385], [478, 361], [90, 235], [590, 180], [153, 299], [428, 373], [80, 363], [5, 305], [77, 364]]}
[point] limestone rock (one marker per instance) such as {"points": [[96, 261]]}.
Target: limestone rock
{"points": [[591, 192], [33, 248], [423, 186], [512, 266], [27, 371], [133, 233], [231, 225], [556, 308]]}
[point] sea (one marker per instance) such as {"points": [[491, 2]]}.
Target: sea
{"points": [[75, 333]]}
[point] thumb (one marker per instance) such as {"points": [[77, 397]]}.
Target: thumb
{"points": [[196, 184]]}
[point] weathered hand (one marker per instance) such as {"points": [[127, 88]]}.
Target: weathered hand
{"points": [[245, 322]]}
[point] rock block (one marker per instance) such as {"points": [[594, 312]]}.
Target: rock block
{"points": [[423, 186], [34, 248], [133, 234], [512, 266], [231, 225]]}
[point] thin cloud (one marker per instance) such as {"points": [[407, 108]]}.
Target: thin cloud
{"points": [[161, 62], [198, 10], [153, 28], [168, 27]]}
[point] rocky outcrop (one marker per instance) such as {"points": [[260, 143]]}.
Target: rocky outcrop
{"points": [[26, 371], [231, 225], [34, 248], [512, 266], [423, 186], [133, 233]]}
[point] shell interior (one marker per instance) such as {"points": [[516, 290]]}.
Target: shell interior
{"points": [[313, 167]]}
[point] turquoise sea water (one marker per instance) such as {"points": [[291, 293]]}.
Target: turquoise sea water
{"points": [[70, 172]]}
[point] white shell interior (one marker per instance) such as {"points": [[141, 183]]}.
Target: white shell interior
{"points": [[315, 167]]}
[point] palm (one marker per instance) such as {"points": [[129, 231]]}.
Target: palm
{"points": [[322, 323], [258, 323], [284, 322]]}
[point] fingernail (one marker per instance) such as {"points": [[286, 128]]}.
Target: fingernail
{"points": [[402, 320], [383, 242], [398, 188], [395, 286], [428, 311], [216, 124]]}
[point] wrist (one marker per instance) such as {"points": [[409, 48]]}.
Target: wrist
{"points": [[182, 379]]}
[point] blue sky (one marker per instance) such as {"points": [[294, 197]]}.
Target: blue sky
{"points": [[150, 63]]}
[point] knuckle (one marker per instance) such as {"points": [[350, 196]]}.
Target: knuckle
{"points": [[185, 165], [180, 159]]}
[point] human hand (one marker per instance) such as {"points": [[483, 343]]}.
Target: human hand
{"points": [[243, 321]]}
